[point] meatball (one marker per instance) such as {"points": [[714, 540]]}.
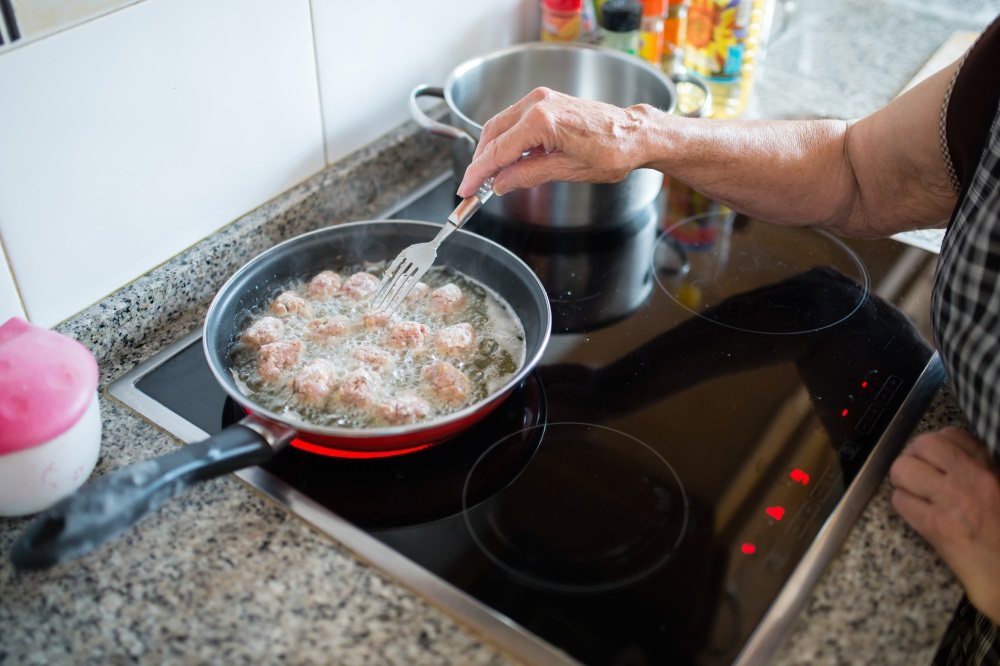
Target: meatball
{"points": [[315, 381], [328, 327], [289, 303], [404, 409], [360, 285], [324, 285], [358, 388], [263, 331], [374, 357], [376, 318], [446, 300], [446, 382], [407, 335], [277, 357], [455, 341], [418, 293]]}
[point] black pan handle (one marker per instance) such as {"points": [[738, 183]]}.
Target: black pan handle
{"points": [[104, 507]]}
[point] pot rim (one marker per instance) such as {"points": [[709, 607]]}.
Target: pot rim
{"points": [[601, 51]]}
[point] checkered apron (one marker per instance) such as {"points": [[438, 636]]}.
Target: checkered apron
{"points": [[966, 311]]}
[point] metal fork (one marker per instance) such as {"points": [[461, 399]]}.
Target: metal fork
{"points": [[409, 266]]}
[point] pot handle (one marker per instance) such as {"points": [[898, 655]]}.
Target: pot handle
{"points": [[706, 105], [428, 123], [104, 507]]}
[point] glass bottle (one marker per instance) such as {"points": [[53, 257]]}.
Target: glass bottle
{"points": [[621, 20], [651, 30], [674, 30], [561, 20], [723, 44]]}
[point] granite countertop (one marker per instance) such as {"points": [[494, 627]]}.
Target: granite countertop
{"points": [[223, 575]]}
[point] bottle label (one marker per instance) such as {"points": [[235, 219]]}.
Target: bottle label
{"points": [[716, 35]]}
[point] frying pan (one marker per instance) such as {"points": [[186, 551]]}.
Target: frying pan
{"points": [[106, 506]]}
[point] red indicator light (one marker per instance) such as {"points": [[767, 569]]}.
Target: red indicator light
{"points": [[844, 412], [864, 384], [798, 476], [776, 512], [748, 549]]}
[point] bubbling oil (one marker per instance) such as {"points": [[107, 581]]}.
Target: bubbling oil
{"points": [[499, 352]]}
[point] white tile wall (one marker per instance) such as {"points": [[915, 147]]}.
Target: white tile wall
{"points": [[371, 54], [130, 137]]}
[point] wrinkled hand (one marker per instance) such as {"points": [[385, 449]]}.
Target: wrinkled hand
{"points": [[570, 139], [948, 490]]}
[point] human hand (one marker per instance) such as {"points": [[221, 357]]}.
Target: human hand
{"points": [[569, 139], [948, 490]]}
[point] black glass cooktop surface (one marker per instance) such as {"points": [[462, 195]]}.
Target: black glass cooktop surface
{"points": [[711, 391]]}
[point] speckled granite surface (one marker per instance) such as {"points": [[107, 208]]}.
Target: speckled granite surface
{"points": [[224, 576]]}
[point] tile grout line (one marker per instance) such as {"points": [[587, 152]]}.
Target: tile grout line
{"points": [[13, 278], [319, 87]]}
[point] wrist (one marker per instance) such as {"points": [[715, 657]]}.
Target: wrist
{"points": [[988, 605], [654, 130]]}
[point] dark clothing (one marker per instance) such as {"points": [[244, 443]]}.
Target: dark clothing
{"points": [[966, 298]]}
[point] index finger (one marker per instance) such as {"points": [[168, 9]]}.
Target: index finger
{"points": [[502, 151], [507, 118]]}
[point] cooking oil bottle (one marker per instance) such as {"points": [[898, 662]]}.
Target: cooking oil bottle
{"points": [[724, 45]]}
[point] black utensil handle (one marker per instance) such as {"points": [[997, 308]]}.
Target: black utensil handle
{"points": [[104, 507]]}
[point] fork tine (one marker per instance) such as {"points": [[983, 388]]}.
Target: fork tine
{"points": [[402, 284], [404, 290], [390, 278]]}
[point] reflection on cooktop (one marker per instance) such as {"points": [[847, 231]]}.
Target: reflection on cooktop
{"points": [[763, 265], [593, 510]]}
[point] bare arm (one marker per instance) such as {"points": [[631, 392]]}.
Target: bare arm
{"points": [[871, 177]]}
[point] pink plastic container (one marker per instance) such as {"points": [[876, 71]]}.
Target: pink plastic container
{"points": [[50, 423]]}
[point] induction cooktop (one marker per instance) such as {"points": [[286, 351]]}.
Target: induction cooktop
{"points": [[718, 401]]}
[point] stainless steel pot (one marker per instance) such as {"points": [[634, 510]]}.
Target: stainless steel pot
{"points": [[478, 89]]}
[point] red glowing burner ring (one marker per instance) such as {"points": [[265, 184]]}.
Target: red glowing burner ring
{"points": [[343, 453]]}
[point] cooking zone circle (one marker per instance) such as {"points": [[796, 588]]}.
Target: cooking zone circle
{"points": [[777, 280], [613, 512], [397, 490]]}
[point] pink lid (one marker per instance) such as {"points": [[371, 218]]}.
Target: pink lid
{"points": [[46, 383]]}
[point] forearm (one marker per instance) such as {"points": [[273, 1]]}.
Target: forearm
{"points": [[872, 177], [787, 172]]}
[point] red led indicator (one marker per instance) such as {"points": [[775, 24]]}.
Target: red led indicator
{"points": [[864, 384], [798, 476], [776, 512], [844, 412], [748, 549]]}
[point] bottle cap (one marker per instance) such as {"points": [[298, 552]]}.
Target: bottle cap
{"points": [[47, 382], [654, 7], [621, 15], [564, 5]]}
